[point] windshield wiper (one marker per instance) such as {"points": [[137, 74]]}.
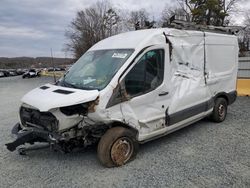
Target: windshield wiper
{"points": [[66, 84], [88, 88]]}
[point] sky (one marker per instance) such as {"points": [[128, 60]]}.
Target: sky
{"points": [[33, 27]]}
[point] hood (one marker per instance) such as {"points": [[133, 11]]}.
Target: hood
{"points": [[51, 96]]}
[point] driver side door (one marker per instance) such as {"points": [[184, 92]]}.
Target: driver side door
{"points": [[147, 88]]}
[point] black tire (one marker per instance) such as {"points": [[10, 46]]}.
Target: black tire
{"points": [[220, 110], [117, 147]]}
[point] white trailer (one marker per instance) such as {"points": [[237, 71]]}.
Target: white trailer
{"points": [[132, 88]]}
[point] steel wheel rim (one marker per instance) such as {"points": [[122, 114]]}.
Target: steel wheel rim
{"points": [[221, 111], [121, 150]]}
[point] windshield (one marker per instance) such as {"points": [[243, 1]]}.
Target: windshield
{"points": [[95, 69]]}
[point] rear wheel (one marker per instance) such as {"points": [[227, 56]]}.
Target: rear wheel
{"points": [[117, 147], [220, 110]]}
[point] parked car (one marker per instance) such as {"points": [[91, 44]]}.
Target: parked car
{"points": [[132, 88], [12, 73], [51, 69], [31, 73], [6, 73], [20, 71], [2, 74]]}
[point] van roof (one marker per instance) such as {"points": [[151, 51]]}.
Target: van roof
{"points": [[142, 38]]}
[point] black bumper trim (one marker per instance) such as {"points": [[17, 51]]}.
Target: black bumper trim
{"points": [[31, 136], [232, 97], [16, 129]]}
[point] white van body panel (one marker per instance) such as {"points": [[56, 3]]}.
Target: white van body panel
{"points": [[222, 62], [47, 99], [198, 66]]}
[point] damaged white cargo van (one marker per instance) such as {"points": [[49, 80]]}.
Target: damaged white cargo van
{"points": [[132, 88]]}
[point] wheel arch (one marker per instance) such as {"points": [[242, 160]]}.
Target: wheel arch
{"points": [[222, 95], [121, 124], [229, 97]]}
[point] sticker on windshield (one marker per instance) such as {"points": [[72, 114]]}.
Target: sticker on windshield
{"points": [[119, 55]]}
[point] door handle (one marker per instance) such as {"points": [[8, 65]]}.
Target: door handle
{"points": [[163, 93]]}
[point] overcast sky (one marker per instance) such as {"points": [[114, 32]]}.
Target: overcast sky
{"points": [[32, 27]]}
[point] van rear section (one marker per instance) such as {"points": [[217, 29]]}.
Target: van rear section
{"points": [[214, 56]]}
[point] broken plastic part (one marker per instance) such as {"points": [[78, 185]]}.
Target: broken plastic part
{"points": [[92, 105], [31, 136], [16, 129], [119, 95], [75, 109]]}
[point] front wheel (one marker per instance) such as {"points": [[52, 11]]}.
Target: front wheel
{"points": [[117, 147], [220, 110]]}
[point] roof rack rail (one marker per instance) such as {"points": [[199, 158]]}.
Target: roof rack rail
{"points": [[180, 24]]}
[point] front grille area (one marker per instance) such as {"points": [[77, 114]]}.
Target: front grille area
{"points": [[34, 118]]}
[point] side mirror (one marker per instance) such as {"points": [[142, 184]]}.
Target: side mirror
{"points": [[119, 95], [123, 91]]}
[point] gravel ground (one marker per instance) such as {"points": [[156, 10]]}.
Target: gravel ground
{"points": [[204, 154]]}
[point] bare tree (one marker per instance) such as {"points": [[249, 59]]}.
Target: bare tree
{"points": [[140, 19], [170, 11], [247, 19], [111, 22], [229, 7], [244, 39], [90, 26]]}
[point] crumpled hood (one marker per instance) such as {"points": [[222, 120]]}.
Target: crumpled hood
{"points": [[51, 96]]}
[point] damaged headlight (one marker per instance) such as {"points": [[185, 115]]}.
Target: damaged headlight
{"points": [[80, 109]]}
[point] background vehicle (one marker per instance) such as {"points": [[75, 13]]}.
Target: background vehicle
{"points": [[31, 73], [132, 88], [2, 74], [6, 73], [51, 69], [20, 71], [12, 73]]}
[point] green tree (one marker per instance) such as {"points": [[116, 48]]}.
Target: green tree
{"points": [[209, 12]]}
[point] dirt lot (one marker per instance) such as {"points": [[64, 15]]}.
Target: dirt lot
{"points": [[204, 154]]}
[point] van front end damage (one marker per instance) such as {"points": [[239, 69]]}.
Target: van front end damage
{"points": [[63, 129]]}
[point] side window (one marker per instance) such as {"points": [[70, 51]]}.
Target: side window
{"points": [[147, 74]]}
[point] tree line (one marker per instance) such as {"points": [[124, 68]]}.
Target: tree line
{"points": [[28, 62], [102, 20]]}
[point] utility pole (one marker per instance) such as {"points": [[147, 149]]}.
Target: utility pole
{"points": [[52, 62]]}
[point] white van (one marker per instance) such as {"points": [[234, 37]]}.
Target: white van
{"points": [[132, 88]]}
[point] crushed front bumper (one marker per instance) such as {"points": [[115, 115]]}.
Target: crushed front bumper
{"points": [[32, 135]]}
